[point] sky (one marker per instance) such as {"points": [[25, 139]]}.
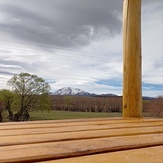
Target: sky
{"points": [[77, 43]]}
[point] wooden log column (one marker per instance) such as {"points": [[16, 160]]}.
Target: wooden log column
{"points": [[132, 69]]}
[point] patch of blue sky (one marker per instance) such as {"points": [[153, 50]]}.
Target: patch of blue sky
{"points": [[110, 82], [152, 86], [50, 81]]}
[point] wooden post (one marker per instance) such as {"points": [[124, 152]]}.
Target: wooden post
{"points": [[132, 84]]}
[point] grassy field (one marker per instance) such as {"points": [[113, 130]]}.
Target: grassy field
{"points": [[56, 115]]}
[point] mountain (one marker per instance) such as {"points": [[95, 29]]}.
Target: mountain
{"points": [[68, 91], [147, 98], [108, 95]]}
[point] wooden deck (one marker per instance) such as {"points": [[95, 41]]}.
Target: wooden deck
{"points": [[83, 141]]}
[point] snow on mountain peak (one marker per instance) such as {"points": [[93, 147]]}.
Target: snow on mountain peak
{"points": [[71, 91]]}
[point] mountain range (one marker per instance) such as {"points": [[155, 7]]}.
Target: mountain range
{"points": [[68, 91]]}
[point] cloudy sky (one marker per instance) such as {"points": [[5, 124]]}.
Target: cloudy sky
{"points": [[77, 43]]}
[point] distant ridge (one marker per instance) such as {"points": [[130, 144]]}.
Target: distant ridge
{"points": [[148, 98], [68, 91]]}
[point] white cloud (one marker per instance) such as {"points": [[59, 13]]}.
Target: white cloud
{"points": [[152, 42]]}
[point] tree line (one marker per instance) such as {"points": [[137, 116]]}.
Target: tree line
{"points": [[151, 108], [87, 104]]}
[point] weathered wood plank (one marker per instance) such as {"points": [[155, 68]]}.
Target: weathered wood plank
{"points": [[59, 121], [34, 141], [145, 155], [29, 125], [56, 150], [62, 129], [52, 137], [22, 125]]}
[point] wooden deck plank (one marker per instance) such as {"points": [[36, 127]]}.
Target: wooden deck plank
{"points": [[22, 125], [53, 124], [27, 131], [80, 120], [55, 150], [145, 155], [39, 141], [51, 137], [63, 121]]}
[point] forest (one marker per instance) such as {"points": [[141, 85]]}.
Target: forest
{"points": [[151, 107]]}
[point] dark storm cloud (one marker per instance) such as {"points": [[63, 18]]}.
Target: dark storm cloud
{"points": [[63, 22]]}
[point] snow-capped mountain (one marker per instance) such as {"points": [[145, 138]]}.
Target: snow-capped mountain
{"points": [[72, 92], [68, 91]]}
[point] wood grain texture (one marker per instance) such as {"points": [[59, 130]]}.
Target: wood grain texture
{"points": [[81, 135], [56, 141], [145, 155], [66, 129], [132, 84], [59, 150]]}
